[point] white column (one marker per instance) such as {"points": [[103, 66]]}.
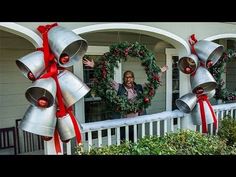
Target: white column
{"points": [[49, 147]]}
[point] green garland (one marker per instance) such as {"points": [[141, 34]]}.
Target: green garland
{"points": [[104, 74], [217, 70]]}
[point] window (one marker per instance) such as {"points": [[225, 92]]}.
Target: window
{"points": [[175, 81], [95, 107]]}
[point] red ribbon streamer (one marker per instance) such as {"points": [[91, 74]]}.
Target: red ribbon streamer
{"points": [[202, 111], [76, 127], [47, 54], [52, 71], [57, 142], [201, 99], [192, 41]]}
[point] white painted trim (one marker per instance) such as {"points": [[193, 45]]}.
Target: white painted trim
{"points": [[97, 50], [169, 53], [23, 32], [162, 34], [221, 36]]}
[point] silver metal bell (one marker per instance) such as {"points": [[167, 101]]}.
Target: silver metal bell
{"points": [[67, 46], [32, 65], [209, 52], [40, 121], [186, 103], [65, 128], [202, 79], [188, 64], [196, 114], [42, 93], [73, 89]]}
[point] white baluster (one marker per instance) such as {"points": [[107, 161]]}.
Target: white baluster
{"points": [[135, 133], [143, 130], [109, 136], [90, 141], [99, 138], [150, 128], [127, 133], [165, 127], [118, 135], [68, 148], [222, 115], [172, 125], [158, 128], [178, 123]]}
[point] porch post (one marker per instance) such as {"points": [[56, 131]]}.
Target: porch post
{"points": [[49, 147], [184, 88]]}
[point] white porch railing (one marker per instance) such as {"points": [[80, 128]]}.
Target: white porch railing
{"points": [[107, 132], [102, 133], [221, 111]]}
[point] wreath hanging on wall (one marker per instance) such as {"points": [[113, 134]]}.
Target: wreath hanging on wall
{"points": [[104, 74], [217, 71]]}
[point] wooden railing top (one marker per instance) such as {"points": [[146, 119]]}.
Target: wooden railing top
{"points": [[101, 125], [106, 124]]}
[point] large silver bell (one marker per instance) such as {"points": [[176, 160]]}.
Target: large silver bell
{"points": [[188, 64], [42, 93], [196, 114], [73, 89], [32, 65], [186, 103], [209, 52], [65, 128], [67, 46], [202, 81], [40, 121]]}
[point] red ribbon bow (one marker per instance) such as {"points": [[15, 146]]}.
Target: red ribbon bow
{"points": [[192, 41], [201, 99]]}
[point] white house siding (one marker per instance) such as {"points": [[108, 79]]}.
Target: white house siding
{"points": [[13, 84]]}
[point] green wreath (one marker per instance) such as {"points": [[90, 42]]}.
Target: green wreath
{"points": [[217, 71], [104, 74]]}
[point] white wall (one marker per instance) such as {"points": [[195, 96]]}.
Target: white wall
{"points": [[12, 83]]}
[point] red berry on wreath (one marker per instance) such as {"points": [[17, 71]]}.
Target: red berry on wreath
{"points": [[146, 100], [141, 53]]}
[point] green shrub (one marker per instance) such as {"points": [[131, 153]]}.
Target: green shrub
{"points": [[227, 130], [182, 143]]}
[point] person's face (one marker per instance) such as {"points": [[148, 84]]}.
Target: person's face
{"points": [[129, 80]]}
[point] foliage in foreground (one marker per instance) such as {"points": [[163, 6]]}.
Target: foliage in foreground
{"points": [[227, 130], [182, 143]]}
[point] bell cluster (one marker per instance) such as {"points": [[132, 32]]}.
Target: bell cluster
{"points": [[204, 55], [40, 118]]}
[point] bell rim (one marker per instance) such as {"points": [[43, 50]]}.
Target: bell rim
{"points": [[182, 106]]}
